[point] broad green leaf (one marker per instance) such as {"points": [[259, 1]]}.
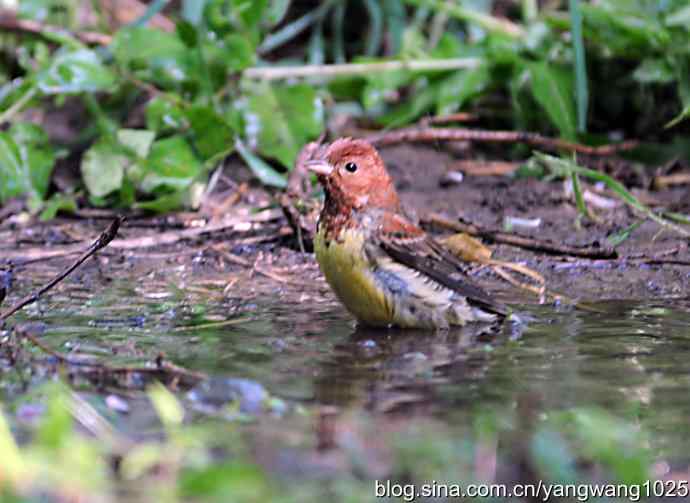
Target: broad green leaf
{"points": [[56, 426], [680, 17], [14, 464], [169, 410], [552, 89], [628, 31], [229, 481], [210, 132], [249, 11], [14, 177], [281, 119], [58, 202], [73, 72], [153, 54], [238, 52], [455, 90], [189, 197], [382, 87], [164, 115], [261, 169], [171, 164], [653, 71], [103, 168], [187, 33], [137, 140], [36, 152], [26, 162], [417, 104], [275, 12]]}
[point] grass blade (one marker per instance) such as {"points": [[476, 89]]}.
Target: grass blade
{"points": [[375, 34], [581, 89], [563, 167], [291, 30]]}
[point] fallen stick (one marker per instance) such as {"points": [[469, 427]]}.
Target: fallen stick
{"points": [[426, 134], [10, 22], [544, 246], [425, 65], [106, 237]]}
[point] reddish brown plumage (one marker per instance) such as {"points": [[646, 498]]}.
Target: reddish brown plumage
{"points": [[369, 186], [360, 195]]}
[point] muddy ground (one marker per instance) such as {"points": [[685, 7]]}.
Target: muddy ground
{"points": [[266, 245]]}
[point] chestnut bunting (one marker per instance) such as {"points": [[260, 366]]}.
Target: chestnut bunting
{"points": [[385, 269]]}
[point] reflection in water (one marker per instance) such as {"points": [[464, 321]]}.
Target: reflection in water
{"points": [[632, 359]]}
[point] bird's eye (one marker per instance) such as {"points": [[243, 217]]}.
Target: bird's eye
{"points": [[351, 167]]}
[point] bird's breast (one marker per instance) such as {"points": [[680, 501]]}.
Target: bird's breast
{"points": [[348, 271]]}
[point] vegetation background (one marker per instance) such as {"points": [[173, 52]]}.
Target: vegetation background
{"points": [[131, 105], [146, 100]]}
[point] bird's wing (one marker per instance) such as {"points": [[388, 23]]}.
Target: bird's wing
{"points": [[406, 243]]}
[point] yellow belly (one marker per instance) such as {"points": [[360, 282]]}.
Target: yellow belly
{"points": [[348, 271]]}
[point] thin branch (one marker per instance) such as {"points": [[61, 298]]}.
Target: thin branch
{"points": [[106, 237], [286, 72], [18, 105], [460, 134], [539, 245], [8, 22]]}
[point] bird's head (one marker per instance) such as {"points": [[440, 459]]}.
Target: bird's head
{"points": [[353, 176]]}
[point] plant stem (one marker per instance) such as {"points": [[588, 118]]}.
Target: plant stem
{"points": [[489, 23], [286, 72], [18, 105]]}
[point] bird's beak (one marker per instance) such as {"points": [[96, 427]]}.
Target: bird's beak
{"points": [[320, 167]]}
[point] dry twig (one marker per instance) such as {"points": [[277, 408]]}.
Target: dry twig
{"points": [[539, 245], [9, 22], [103, 240], [425, 134]]}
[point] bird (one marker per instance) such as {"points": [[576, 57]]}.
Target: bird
{"points": [[385, 269]]}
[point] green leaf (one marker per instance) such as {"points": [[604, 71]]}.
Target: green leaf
{"points": [[26, 162], [56, 426], [680, 17], [249, 11], [380, 87], [171, 164], [187, 33], [552, 89], [153, 54], [211, 133], [138, 141], [229, 481], [238, 53], [168, 408], [36, 152], [72, 72], [419, 103], [103, 168], [281, 119], [261, 169], [58, 202], [455, 90], [275, 12], [581, 87], [13, 461], [164, 115], [653, 71]]}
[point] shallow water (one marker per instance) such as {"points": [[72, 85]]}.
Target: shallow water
{"points": [[629, 359]]}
